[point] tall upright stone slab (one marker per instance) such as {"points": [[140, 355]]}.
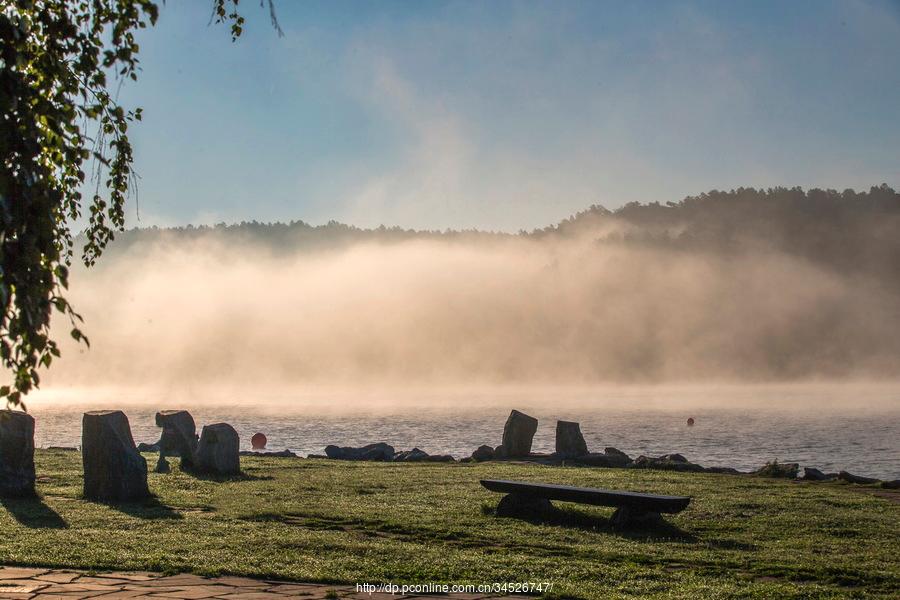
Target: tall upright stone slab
{"points": [[569, 441], [179, 436], [218, 452], [114, 471], [16, 453], [518, 434]]}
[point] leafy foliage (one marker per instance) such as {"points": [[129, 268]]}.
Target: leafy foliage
{"points": [[62, 132]]}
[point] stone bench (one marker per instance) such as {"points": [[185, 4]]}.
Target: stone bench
{"points": [[533, 499]]}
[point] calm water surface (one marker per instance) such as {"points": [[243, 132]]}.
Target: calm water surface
{"points": [[828, 427]]}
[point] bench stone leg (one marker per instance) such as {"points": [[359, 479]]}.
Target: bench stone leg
{"points": [[628, 517], [524, 505]]}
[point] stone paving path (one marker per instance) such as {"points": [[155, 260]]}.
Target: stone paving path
{"points": [[59, 584]]}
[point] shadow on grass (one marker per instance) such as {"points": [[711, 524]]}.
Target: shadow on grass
{"points": [[150, 509], [660, 531], [33, 513], [242, 476]]}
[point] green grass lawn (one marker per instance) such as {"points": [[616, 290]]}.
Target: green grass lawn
{"points": [[340, 522]]}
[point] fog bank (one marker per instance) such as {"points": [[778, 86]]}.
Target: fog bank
{"points": [[592, 306]]}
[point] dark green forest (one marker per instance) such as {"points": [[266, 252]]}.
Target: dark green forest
{"points": [[853, 232]]}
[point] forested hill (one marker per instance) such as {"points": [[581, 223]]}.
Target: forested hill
{"points": [[850, 231], [847, 230]]}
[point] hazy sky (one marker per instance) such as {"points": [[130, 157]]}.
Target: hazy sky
{"points": [[508, 115]]}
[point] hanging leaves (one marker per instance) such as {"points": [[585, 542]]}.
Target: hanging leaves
{"points": [[62, 131]]}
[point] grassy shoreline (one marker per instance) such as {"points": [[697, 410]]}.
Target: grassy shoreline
{"points": [[340, 522]]}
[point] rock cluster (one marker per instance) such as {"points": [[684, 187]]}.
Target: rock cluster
{"points": [[382, 452], [218, 454]]}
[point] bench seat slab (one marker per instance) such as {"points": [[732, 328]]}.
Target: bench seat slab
{"points": [[636, 502]]}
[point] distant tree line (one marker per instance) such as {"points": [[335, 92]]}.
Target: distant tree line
{"points": [[853, 232]]}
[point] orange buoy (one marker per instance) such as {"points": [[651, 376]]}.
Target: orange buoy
{"points": [[258, 441], [690, 421]]}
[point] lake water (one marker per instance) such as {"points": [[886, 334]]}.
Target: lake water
{"points": [[831, 427]]}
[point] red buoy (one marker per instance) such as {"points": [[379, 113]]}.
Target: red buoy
{"points": [[690, 422], [258, 441]]}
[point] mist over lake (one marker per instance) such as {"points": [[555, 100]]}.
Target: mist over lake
{"points": [[743, 286], [771, 317]]}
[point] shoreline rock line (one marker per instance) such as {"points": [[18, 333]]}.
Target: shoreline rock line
{"points": [[115, 470], [572, 450]]}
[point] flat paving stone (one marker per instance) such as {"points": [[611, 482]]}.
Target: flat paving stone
{"points": [[68, 584], [243, 582], [20, 573], [132, 575], [59, 577]]}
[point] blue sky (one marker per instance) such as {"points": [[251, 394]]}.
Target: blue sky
{"points": [[507, 115]]}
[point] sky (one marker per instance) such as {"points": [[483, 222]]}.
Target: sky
{"points": [[506, 115]]}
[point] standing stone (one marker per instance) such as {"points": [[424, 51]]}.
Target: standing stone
{"points": [[517, 435], [113, 468], [569, 441], [179, 436], [16, 453], [218, 452]]}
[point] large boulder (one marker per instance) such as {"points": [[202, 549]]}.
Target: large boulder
{"points": [[218, 452], [483, 453], [610, 450], [113, 468], [851, 478], [179, 435], [674, 458], [279, 454], [813, 474], [666, 462], [778, 470], [722, 470], [414, 455], [597, 459], [16, 453], [444, 458], [418, 455], [376, 452], [518, 434], [569, 441]]}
